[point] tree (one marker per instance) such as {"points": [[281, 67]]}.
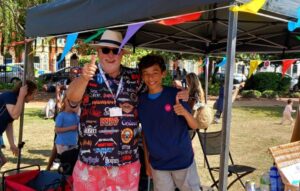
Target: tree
{"points": [[12, 22]]}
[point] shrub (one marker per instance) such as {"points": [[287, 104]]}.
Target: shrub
{"points": [[167, 81], [268, 81], [269, 94], [251, 94], [295, 95], [213, 89], [6, 86]]}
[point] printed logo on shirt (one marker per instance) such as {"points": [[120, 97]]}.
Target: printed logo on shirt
{"points": [[110, 162], [84, 151], [125, 158], [107, 96], [90, 160], [90, 130], [103, 102], [103, 151], [126, 135], [85, 99], [92, 84], [94, 94], [135, 76], [109, 131], [129, 123], [168, 107], [126, 107], [109, 121]]}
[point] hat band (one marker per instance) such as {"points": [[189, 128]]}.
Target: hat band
{"points": [[111, 42]]}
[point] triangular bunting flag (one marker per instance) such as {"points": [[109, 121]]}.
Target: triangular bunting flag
{"points": [[180, 19], [286, 64], [293, 25], [250, 7], [222, 63], [71, 38], [98, 33], [131, 30], [253, 66]]}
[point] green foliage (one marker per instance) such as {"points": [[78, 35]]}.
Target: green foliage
{"points": [[213, 89], [6, 86], [167, 81], [251, 94], [39, 84], [295, 95], [269, 94], [83, 60], [268, 81]]}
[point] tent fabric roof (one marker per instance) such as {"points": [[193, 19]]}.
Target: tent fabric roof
{"points": [[67, 16], [208, 35]]}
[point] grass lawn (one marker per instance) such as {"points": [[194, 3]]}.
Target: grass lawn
{"points": [[253, 131]]}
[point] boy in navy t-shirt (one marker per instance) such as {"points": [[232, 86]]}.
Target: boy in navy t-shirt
{"points": [[165, 121]]}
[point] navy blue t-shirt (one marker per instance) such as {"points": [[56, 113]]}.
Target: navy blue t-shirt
{"points": [[166, 133], [5, 118]]}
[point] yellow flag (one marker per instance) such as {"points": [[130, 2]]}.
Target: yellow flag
{"points": [[253, 66], [250, 7]]}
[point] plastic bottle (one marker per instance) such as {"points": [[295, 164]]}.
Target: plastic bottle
{"points": [[275, 180], [265, 182]]}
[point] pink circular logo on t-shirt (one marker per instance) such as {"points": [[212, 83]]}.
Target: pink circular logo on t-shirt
{"points": [[168, 107]]}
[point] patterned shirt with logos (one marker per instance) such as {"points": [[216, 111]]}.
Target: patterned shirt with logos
{"points": [[106, 140]]}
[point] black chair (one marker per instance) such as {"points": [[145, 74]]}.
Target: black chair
{"points": [[211, 145]]}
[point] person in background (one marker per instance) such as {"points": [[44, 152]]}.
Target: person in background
{"points": [[183, 78], [66, 126], [287, 113], [196, 93], [11, 104], [220, 101], [165, 121]]}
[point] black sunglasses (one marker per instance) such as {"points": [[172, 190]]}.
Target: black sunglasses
{"points": [[108, 50]]}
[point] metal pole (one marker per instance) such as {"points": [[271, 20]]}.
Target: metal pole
{"points": [[20, 142], [231, 46], [206, 78]]}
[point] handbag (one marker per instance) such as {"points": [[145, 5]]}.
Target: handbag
{"points": [[203, 115]]}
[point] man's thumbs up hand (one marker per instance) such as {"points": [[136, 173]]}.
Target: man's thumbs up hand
{"points": [[178, 108], [89, 69]]}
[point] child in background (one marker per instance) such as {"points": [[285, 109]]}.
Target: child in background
{"points": [[287, 113], [165, 122], [66, 125]]}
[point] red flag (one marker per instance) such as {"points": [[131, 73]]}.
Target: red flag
{"points": [[286, 64], [180, 19]]}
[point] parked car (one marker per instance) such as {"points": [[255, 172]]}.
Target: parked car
{"points": [[237, 78], [60, 75], [11, 73]]}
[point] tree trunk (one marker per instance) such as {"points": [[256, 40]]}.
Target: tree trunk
{"points": [[29, 65]]}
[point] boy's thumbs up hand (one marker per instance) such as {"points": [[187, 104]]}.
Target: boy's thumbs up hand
{"points": [[178, 108], [89, 69]]}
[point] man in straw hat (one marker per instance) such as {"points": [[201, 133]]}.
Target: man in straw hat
{"points": [[108, 132]]}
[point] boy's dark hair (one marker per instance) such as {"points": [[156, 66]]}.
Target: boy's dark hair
{"points": [[289, 101], [151, 60], [30, 84]]}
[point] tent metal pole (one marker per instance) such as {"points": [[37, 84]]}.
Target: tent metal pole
{"points": [[20, 141], [226, 123], [206, 78]]}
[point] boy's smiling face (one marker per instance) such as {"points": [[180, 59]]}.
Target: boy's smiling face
{"points": [[152, 77]]}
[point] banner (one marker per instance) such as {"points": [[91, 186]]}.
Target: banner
{"points": [[71, 38], [286, 64], [180, 19], [253, 66], [250, 7], [131, 30], [293, 25], [98, 33], [222, 63]]}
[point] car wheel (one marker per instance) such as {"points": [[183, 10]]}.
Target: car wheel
{"points": [[15, 80]]}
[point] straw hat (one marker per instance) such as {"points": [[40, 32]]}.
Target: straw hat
{"points": [[111, 39]]}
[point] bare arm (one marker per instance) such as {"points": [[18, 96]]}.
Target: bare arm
{"points": [[10, 137], [77, 87], [146, 157], [236, 91], [15, 110], [65, 129]]}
